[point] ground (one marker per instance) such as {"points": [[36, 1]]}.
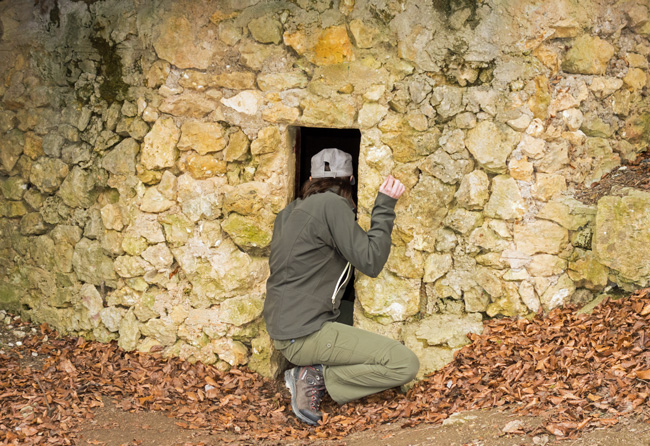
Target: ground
{"points": [[565, 378], [114, 427]]}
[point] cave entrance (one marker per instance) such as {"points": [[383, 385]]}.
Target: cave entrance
{"points": [[310, 141]]}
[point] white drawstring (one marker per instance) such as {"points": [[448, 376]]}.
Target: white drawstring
{"points": [[339, 284]]}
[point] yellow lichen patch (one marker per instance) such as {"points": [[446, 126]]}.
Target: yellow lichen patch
{"points": [[220, 16], [333, 47]]}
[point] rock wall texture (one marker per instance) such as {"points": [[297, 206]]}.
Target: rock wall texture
{"points": [[147, 146]]}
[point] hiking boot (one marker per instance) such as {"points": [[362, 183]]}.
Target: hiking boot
{"points": [[307, 387]]}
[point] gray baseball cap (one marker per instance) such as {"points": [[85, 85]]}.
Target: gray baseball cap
{"points": [[330, 163]]}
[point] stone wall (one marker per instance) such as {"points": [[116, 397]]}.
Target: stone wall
{"points": [[147, 147]]}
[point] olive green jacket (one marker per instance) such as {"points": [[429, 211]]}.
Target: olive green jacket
{"points": [[314, 243]]}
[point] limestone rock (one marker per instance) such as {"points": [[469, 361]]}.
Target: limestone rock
{"points": [[329, 113], [121, 159], [78, 188], [221, 272], [447, 330], [491, 145], [247, 198], [558, 293], [129, 332], [509, 304], [436, 266], [91, 302], [621, 236], [405, 263], [12, 148], [233, 80], [91, 264], [506, 201], [520, 169], [364, 33], [266, 29], [448, 101], [268, 140], [431, 358], [189, 105], [532, 147], [178, 229], [546, 265], [159, 150], [463, 221], [202, 167], [112, 217], [247, 102], [588, 55], [548, 186], [32, 224], [199, 198], [282, 81], [636, 78], [388, 297], [421, 212], [133, 245], [603, 86], [111, 317], [177, 41], [255, 56], [587, 272], [241, 310], [328, 47], [568, 212], [237, 147], [279, 113], [131, 266], [435, 357], [47, 174], [410, 146], [202, 137], [489, 282], [232, 352], [13, 188], [266, 360], [473, 192], [540, 236], [147, 226], [162, 330], [594, 126], [159, 256], [371, 114], [249, 232], [442, 166]]}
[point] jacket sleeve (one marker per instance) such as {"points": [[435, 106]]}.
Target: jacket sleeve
{"points": [[369, 251]]}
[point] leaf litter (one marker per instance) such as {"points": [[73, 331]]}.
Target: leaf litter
{"points": [[577, 372]]}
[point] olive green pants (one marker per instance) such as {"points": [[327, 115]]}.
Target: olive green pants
{"points": [[357, 362]]}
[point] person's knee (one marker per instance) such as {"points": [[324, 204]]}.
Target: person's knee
{"points": [[404, 364]]}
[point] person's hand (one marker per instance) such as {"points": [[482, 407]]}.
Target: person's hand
{"points": [[392, 187]]}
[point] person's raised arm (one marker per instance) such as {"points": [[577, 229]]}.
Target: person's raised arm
{"points": [[368, 251]]}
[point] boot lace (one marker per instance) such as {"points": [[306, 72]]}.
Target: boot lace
{"points": [[316, 390]]}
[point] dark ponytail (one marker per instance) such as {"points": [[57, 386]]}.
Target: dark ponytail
{"points": [[339, 185]]}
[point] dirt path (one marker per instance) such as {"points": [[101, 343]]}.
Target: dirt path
{"points": [[112, 426]]}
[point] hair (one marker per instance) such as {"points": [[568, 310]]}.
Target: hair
{"points": [[339, 185]]}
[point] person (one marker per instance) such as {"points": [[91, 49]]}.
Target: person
{"points": [[316, 242]]}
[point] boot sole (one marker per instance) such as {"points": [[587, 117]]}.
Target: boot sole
{"points": [[290, 382]]}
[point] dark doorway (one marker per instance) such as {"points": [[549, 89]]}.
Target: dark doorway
{"points": [[310, 141]]}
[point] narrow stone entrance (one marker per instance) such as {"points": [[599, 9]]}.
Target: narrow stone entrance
{"points": [[311, 140]]}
